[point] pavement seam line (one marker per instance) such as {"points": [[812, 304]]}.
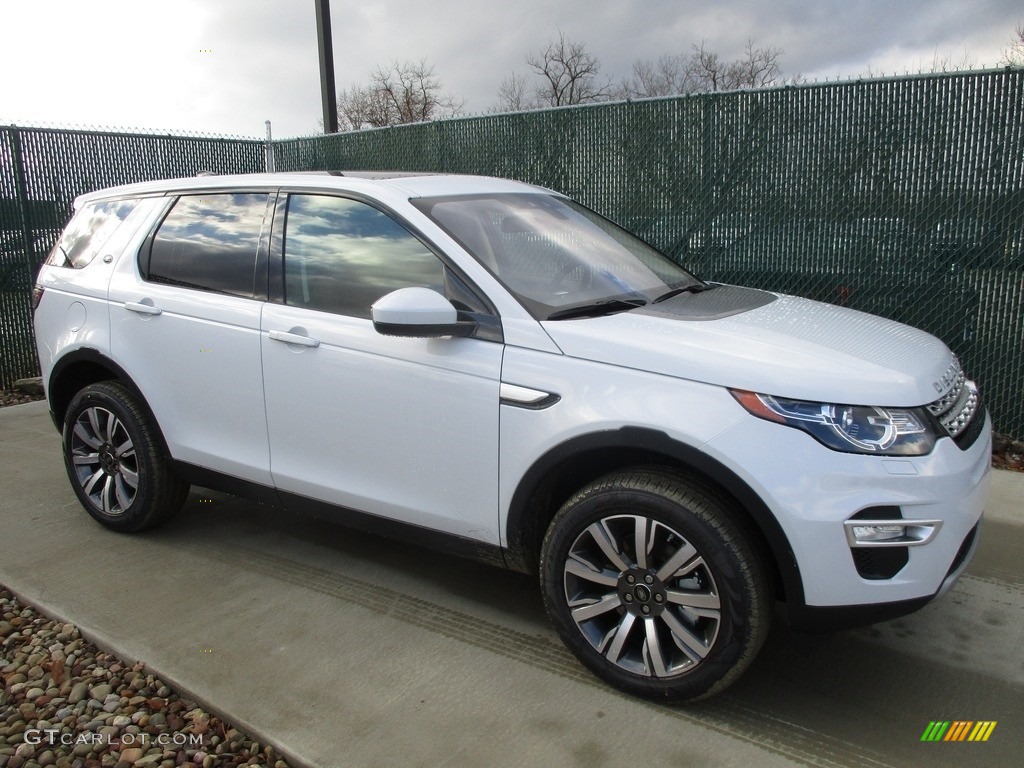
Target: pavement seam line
{"points": [[721, 715]]}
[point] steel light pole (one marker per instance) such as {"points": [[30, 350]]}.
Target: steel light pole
{"points": [[327, 90]]}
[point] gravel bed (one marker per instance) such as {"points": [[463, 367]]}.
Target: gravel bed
{"points": [[67, 704], [1007, 453], [13, 396]]}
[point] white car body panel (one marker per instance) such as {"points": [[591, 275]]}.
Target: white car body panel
{"points": [[948, 484], [181, 359], [412, 429], [792, 347], [83, 317], [348, 414]]}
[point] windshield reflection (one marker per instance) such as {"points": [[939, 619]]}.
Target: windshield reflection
{"points": [[553, 254]]}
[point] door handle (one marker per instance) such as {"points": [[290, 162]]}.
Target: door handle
{"points": [[294, 338], [142, 309]]}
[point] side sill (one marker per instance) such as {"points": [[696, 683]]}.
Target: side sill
{"points": [[218, 481], [446, 543]]}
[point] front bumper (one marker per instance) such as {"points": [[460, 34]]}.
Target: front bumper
{"points": [[814, 491], [817, 619]]}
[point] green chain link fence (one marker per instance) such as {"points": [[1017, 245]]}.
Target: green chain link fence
{"points": [[903, 197]]}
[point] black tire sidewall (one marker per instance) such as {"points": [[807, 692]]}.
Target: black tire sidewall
{"points": [[723, 549], [118, 401]]}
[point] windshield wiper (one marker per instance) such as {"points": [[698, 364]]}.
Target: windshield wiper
{"points": [[598, 308], [693, 288]]}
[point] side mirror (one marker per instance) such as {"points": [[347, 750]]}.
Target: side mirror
{"points": [[418, 313]]}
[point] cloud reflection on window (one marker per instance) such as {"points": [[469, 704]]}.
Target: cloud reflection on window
{"points": [[342, 255], [209, 242]]}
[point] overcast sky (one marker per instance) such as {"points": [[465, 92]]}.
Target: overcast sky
{"points": [[226, 66]]}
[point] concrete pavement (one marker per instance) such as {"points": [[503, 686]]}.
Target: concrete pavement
{"points": [[344, 649]]}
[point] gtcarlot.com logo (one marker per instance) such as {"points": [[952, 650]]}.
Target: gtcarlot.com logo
{"points": [[958, 730]]}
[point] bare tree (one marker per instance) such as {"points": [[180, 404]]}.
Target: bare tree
{"points": [[946, 62], [1014, 55], [759, 68], [513, 94], [704, 70], [403, 92], [571, 74], [665, 77], [568, 74]]}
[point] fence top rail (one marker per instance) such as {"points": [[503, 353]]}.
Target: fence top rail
{"points": [[128, 133]]}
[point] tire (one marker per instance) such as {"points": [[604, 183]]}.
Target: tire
{"points": [[679, 621], [113, 456]]}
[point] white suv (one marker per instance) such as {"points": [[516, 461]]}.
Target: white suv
{"points": [[489, 367]]}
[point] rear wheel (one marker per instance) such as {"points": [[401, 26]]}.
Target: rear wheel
{"points": [[114, 460], [652, 585]]}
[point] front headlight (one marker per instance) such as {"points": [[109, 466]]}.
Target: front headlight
{"points": [[849, 428]]}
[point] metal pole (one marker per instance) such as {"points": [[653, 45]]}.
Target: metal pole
{"points": [[269, 150], [327, 90]]}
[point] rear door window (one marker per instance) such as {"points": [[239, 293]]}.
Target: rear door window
{"points": [[209, 242]]}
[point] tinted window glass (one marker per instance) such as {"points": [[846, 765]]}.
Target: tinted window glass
{"points": [[88, 231], [209, 242], [554, 254], [341, 256]]}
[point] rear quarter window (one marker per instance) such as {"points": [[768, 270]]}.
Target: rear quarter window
{"points": [[88, 231]]}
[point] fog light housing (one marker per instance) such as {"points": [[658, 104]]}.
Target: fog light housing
{"points": [[890, 533], [870, 533]]}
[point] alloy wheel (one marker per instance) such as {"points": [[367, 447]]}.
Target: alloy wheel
{"points": [[642, 595], [104, 460]]}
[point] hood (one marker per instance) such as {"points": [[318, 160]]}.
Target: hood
{"points": [[776, 345]]}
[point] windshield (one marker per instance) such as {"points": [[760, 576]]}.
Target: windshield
{"points": [[555, 255]]}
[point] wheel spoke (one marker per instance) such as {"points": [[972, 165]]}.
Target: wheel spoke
{"points": [[654, 658], [619, 639], [107, 494], [131, 478], [86, 459], [111, 427], [603, 538], [125, 449], [588, 571], [85, 436], [643, 535], [89, 486], [121, 490], [687, 641], [701, 603], [588, 609], [93, 415], [681, 562]]}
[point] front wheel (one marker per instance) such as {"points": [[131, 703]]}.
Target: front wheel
{"points": [[653, 586], [114, 460]]}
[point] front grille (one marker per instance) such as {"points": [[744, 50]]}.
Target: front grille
{"points": [[956, 409]]}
